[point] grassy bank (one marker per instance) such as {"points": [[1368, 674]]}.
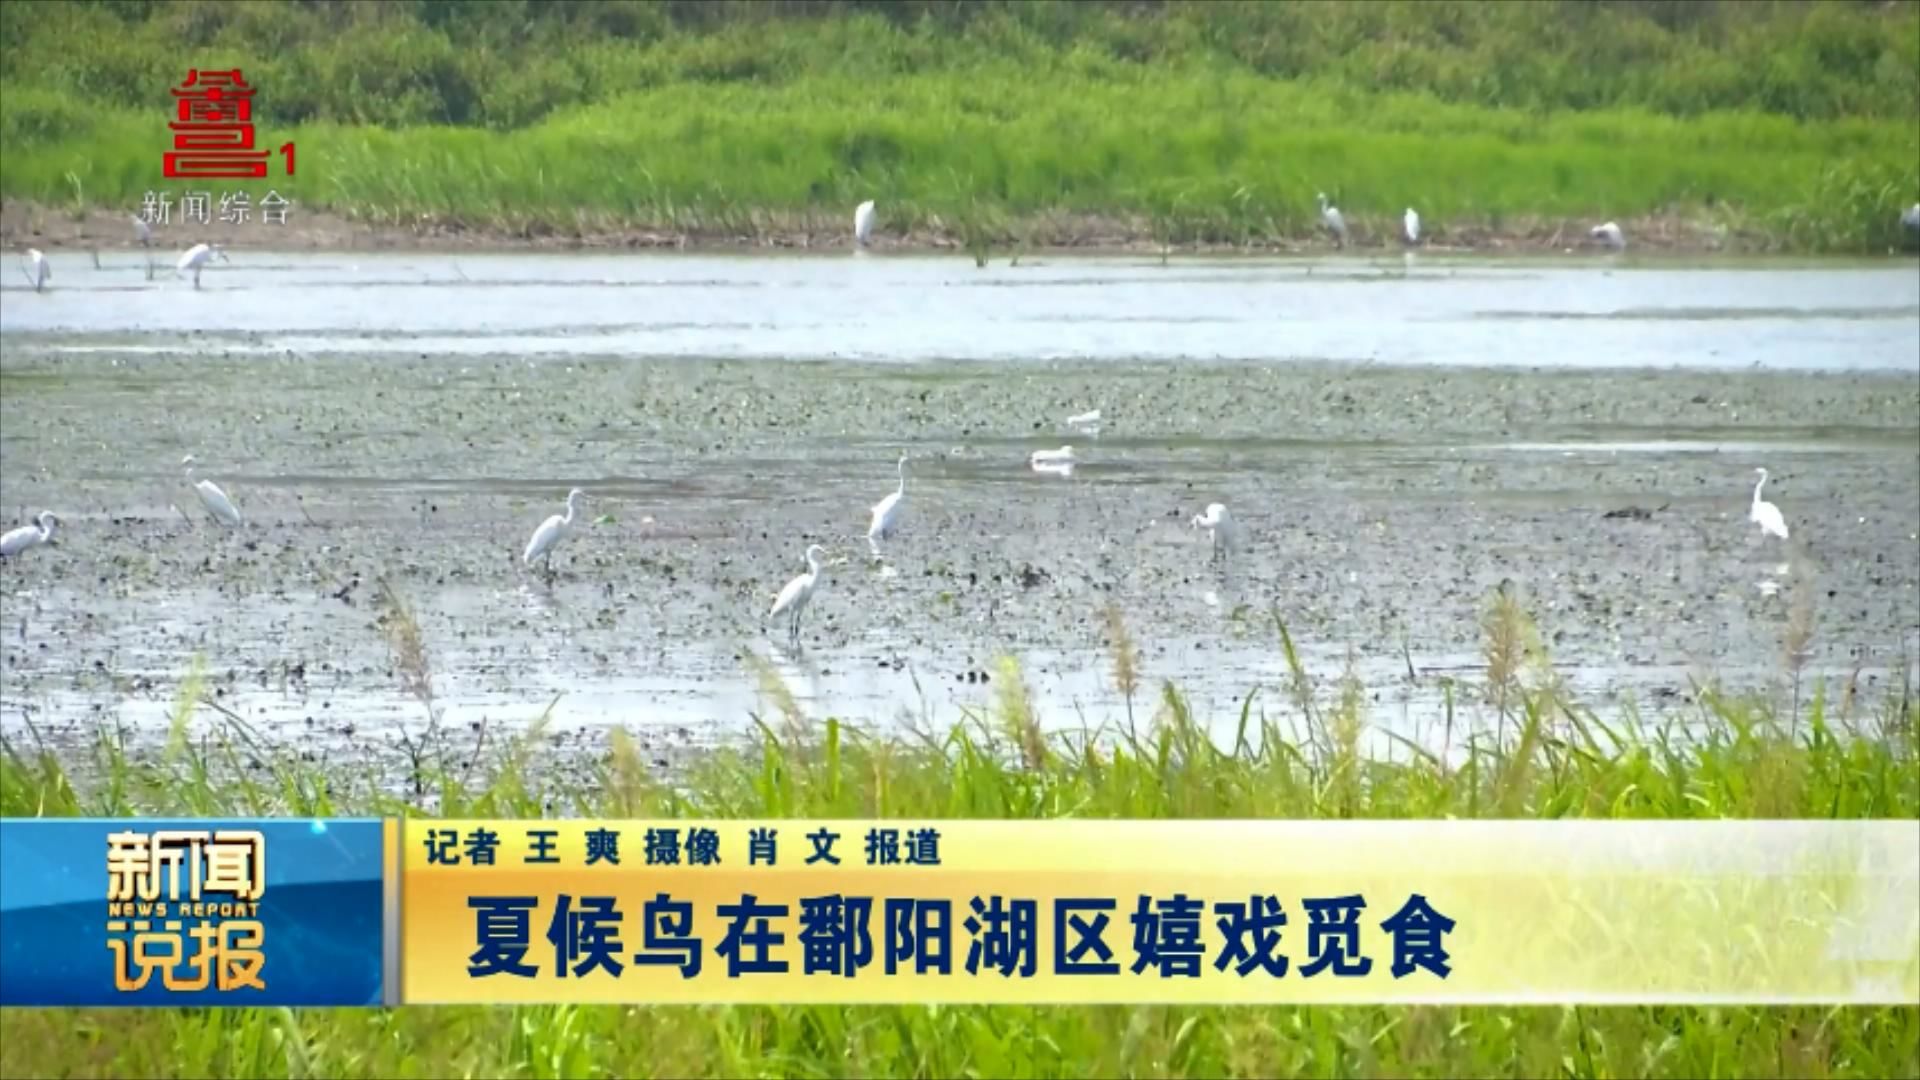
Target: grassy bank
{"points": [[1837, 756], [1025, 126]]}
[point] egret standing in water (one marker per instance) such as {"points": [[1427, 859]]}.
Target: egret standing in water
{"points": [[1765, 514], [26, 536], [1088, 422], [1610, 235], [792, 601], [37, 269], [1062, 456], [1219, 526], [143, 232], [550, 533], [863, 223], [1410, 228], [197, 257], [1336, 224], [886, 512], [213, 498]]}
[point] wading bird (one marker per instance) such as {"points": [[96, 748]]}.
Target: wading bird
{"points": [[37, 269], [886, 512], [1610, 235], [1088, 422], [863, 223], [142, 231], [26, 536], [1765, 514], [792, 601], [1219, 526], [212, 497], [1336, 224], [550, 533], [1062, 456], [196, 259], [1410, 227]]}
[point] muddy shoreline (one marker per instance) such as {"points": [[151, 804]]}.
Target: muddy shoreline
{"points": [[24, 224]]}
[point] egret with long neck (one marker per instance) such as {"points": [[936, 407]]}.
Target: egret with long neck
{"points": [[886, 512], [1765, 514], [550, 533]]}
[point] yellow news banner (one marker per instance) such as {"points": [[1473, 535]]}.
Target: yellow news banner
{"points": [[1519, 912]]}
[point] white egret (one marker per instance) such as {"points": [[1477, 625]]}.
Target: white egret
{"points": [[37, 269], [1410, 227], [1062, 456], [1088, 422], [212, 497], [1219, 526], [1335, 223], [197, 257], [26, 536], [863, 223], [886, 512], [550, 533], [1610, 235], [792, 601], [1765, 514]]}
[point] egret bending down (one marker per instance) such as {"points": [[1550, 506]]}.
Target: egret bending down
{"points": [[1765, 514], [550, 533], [792, 601], [863, 223], [1219, 526], [886, 512], [37, 269], [1610, 235], [213, 498], [1335, 223], [26, 536], [1410, 227], [196, 259]]}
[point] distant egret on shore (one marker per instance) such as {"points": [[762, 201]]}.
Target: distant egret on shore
{"points": [[36, 268], [212, 497], [1765, 514], [196, 259], [792, 601], [1331, 217], [1088, 422], [550, 533], [1062, 456], [27, 536], [1610, 235], [1410, 227], [886, 512], [1219, 526], [863, 223]]}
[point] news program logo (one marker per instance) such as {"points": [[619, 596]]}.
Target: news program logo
{"points": [[187, 904]]}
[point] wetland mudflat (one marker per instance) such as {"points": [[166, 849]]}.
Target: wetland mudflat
{"points": [[1394, 439]]}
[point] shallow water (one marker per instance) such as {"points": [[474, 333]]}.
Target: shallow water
{"points": [[1598, 312], [1393, 438]]}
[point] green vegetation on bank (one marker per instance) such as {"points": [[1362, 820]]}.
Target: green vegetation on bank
{"points": [[1790, 125], [1828, 756]]}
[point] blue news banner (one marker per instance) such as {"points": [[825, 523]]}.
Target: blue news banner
{"points": [[192, 912]]}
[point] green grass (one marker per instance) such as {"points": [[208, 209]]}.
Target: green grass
{"points": [[1837, 758], [1783, 126], [1200, 156]]}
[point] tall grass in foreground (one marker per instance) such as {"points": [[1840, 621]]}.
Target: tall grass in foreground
{"points": [[1747, 760]]}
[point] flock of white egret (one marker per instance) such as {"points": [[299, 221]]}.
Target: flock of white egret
{"points": [[886, 515], [792, 600]]}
